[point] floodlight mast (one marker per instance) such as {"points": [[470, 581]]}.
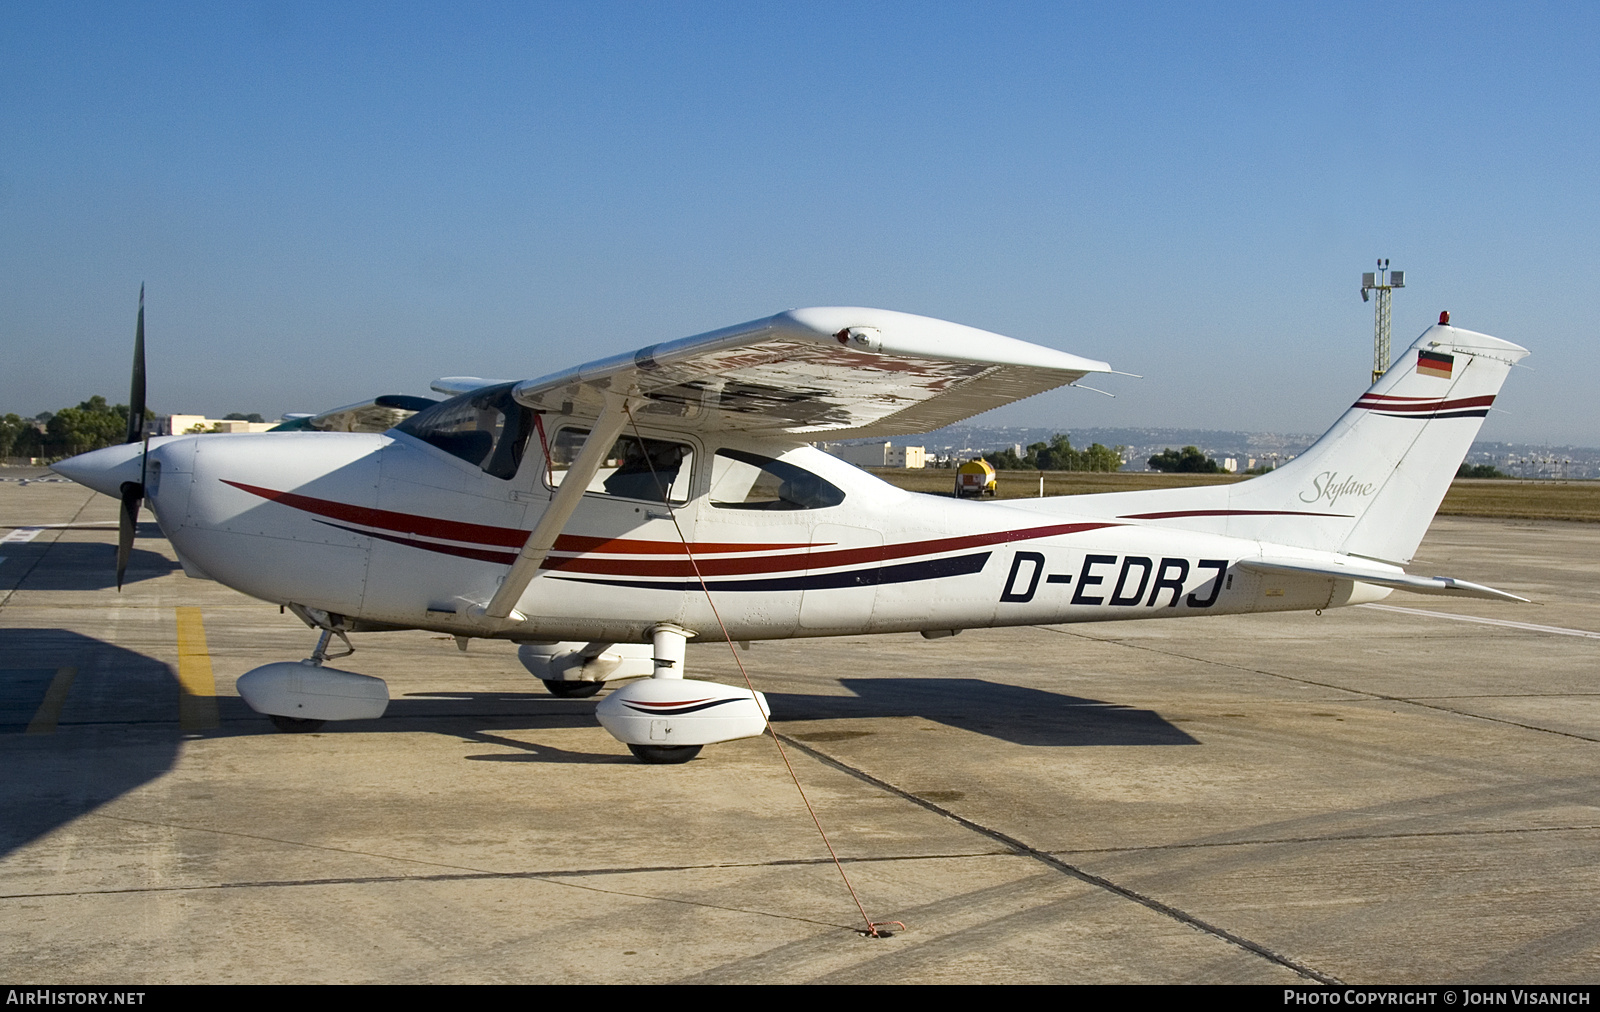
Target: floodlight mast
{"points": [[1383, 281]]}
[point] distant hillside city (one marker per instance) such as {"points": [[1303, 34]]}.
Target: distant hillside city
{"points": [[1233, 451], [95, 423]]}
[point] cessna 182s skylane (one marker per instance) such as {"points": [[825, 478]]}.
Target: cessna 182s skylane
{"points": [[604, 515]]}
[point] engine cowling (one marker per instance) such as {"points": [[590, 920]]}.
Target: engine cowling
{"points": [[308, 692], [682, 711]]}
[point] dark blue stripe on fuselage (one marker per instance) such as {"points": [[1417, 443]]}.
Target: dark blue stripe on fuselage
{"points": [[909, 572], [1480, 413]]}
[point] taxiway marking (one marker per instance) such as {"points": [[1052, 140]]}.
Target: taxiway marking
{"points": [[44, 719], [197, 689], [1557, 630]]}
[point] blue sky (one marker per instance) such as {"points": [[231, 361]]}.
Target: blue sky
{"points": [[329, 201]]}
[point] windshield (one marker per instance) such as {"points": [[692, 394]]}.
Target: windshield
{"points": [[483, 427]]}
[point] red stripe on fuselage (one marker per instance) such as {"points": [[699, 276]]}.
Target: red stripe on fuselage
{"points": [[625, 546], [1419, 405], [796, 562], [482, 534], [455, 530]]}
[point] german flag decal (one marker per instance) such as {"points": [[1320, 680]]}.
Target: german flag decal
{"points": [[1432, 363]]}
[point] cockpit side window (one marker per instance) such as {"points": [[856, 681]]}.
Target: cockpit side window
{"points": [[654, 470], [483, 427], [749, 481]]}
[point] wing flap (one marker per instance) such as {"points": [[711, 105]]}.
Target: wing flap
{"points": [[1443, 586]]}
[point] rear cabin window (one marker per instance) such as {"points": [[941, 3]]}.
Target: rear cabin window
{"points": [[654, 470], [749, 481], [483, 427]]}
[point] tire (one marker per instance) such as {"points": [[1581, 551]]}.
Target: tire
{"points": [[572, 690], [294, 725], [664, 755]]}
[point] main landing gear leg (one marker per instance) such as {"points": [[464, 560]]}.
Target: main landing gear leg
{"points": [[668, 718], [670, 642]]}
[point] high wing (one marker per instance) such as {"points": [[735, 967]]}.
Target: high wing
{"points": [[841, 370], [450, 386], [846, 371]]}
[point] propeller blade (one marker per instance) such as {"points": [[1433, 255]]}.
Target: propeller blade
{"points": [[132, 496], [133, 491], [136, 394]]}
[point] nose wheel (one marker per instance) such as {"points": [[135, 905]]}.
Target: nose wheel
{"points": [[572, 689], [295, 725]]}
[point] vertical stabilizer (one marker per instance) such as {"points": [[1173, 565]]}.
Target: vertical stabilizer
{"points": [[1389, 460], [1371, 485]]}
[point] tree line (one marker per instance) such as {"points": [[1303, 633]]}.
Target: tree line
{"points": [[89, 426], [1189, 460], [1056, 454]]}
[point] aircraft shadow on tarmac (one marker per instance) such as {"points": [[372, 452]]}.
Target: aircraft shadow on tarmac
{"points": [[470, 716], [115, 728], [1012, 713], [1016, 714], [79, 565]]}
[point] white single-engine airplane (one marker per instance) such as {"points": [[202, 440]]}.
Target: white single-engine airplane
{"points": [[604, 515]]}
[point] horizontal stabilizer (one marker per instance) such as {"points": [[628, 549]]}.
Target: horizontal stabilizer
{"points": [[1383, 576]]}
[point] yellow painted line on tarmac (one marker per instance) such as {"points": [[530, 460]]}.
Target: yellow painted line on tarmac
{"points": [[44, 720], [197, 689]]}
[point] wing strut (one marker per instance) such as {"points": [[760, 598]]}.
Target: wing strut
{"points": [[543, 536]]}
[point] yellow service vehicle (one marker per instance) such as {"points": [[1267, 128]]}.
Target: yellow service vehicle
{"points": [[975, 478]]}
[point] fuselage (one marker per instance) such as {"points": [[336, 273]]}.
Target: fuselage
{"points": [[395, 530]]}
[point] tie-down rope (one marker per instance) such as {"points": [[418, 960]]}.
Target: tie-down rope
{"points": [[872, 926]]}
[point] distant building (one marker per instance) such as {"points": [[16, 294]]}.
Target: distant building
{"points": [[880, 455], [177, 425]]}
